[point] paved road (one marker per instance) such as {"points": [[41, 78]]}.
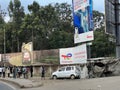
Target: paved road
{"points": [[4, 86], [110, 83]]}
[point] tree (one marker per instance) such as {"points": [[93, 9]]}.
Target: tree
{"points": [[16, 12], [99, 19], [101, 46], [62, 35], [42, 24], [2, 24]]}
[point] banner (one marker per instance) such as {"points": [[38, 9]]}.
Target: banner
{"points": [[74, 55], [27, 53], [83, 18]]}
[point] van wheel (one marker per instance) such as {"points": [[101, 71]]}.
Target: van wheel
{"points": [[54, 77], [72, 76]]}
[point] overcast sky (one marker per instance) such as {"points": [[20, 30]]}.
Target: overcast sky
{"points": [[97, 4]]}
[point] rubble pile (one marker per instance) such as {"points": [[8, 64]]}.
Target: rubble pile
{"points": [[103, 67]]}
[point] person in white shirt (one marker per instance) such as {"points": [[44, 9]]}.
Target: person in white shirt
{"points": [[8, 71], [0, 71]]}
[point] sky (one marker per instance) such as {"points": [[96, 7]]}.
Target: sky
{"points": [[97, 4]]}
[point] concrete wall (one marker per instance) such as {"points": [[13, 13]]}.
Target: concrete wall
{"points": [[38, 56]]}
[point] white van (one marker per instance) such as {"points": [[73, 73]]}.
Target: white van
{"points": [[67, 72]]}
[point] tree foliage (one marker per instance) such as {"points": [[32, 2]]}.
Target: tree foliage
{"points": [[2, 23], [16, 13], [45, 23], [101, 46]]}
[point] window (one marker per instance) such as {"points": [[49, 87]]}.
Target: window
{"points": [[61, 69], [68, 68]]}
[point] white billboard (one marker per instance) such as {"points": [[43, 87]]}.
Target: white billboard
{"points": [[74, 55], [79, 4], [88, 36]]}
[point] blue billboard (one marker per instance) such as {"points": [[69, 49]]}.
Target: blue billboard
{"points": [[83, 16]]}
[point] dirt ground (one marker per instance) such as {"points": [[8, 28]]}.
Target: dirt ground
{"points": [[109, 83]]}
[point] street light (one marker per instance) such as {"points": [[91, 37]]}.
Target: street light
{"points": [[3, 14]]}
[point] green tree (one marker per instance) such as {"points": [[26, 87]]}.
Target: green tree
{"points": [[101, 46], [42, 24], [63, 31], [16, 13], [2, 24]]}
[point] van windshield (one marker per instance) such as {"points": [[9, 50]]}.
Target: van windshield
{"points": [[68, 68], [61, 69]]}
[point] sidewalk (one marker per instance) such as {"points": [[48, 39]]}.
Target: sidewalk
{"points": [[23, 83]]}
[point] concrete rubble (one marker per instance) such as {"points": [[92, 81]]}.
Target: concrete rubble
{"points": [[103, 67]]}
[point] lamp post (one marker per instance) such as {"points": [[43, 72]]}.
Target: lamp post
{"points": [[3, 14]]}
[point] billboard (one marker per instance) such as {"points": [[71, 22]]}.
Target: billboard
{"points": [[27, 53], [110, 17], [83, 20], [73, 55]]}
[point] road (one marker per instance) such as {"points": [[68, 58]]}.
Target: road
{"points": [[110, 83], [4, 86]]}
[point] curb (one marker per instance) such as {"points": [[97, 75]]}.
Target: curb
{"points": [[23, 86], [8, 81]]}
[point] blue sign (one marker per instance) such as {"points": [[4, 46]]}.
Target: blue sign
{"points": [[83, 16]]}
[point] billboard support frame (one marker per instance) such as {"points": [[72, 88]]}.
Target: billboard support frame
{"points": [[116, 23], [117, 28]]}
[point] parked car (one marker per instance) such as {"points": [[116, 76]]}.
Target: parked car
{"points": [[67, 72]]}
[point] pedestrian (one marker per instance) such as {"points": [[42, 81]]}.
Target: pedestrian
{"points": [[11, 72], [24, 72], [8, 71], [0, 71], [3, 71], [27, 72], [14, 72], [31, 71], [42, 72], [19, 72]]}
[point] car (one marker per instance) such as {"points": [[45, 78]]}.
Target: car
{"points": [[67, 72]]}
